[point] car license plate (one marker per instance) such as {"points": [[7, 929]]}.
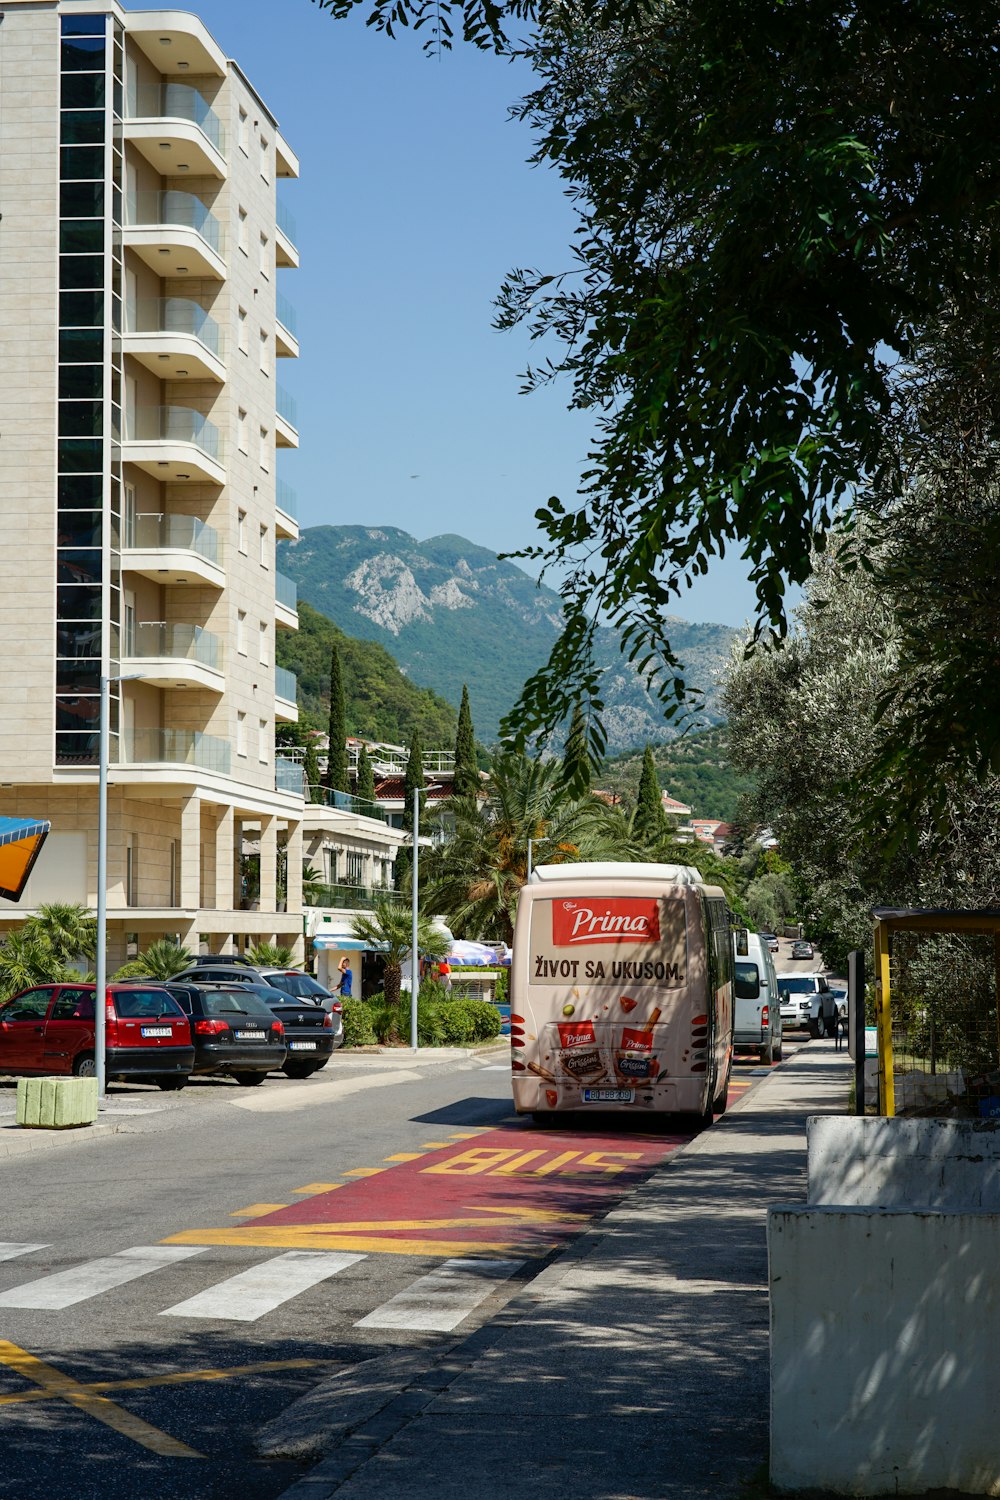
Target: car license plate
{"points": [[608, 1096], [157, 1031], [302, 1046], [249, 1036]]}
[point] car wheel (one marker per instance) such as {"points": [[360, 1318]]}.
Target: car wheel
{"points": [[249, 1079], [767, 1054], [777, 1053], [299, 1069], [814, 1027], [169, 1082], [85, 1066]]}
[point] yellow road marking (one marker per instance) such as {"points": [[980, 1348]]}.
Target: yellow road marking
{"points": [[54, 1383], [318, 1187], [364, 1171], [467, 1135], [435, 1145], [320, 1237], [404, 1156], [256, 1210], [147, 1382]]}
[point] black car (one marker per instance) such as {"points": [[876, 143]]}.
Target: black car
{"points": [[295, 984], [233, 1031], [309, 1029]]}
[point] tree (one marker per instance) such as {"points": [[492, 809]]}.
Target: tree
{"points": [[271, 955], [336, 778], [413, 782], [466, 765], [577, 766], [366, 776], [388, 928], [27, 959], [69, 930], [649, 823], [164, 958]]}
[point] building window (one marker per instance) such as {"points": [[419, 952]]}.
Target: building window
{"points": [[132, 870], [265, 362], [265, 452], [264, 556], [241, 631], [242, 427], [241, 530], [244, 133], [355, 869], [244, 339], [262, 747], [243, 237], [175, 872], [265, 653], [264, 166], [241, 733], [265, 263]]}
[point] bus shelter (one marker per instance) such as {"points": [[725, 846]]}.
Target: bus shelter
{"points": [[937, 922]]}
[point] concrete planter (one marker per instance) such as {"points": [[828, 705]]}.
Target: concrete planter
{"points": [[56, 1103]]}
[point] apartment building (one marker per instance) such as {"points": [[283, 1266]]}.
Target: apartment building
{"points": [[141, 426]]}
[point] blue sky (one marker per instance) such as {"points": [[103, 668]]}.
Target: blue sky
{"points": [[414, 201]]}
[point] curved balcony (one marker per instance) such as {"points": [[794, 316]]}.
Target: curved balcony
{"points": [[174, 443], [285, 250], [174, 656], [286, 502], [286, 696], [286, 431], [175, 338], [168, 748], [286, 602], [175, 234], [177, 130], [286, 337], [172, 39], [173, 550]]}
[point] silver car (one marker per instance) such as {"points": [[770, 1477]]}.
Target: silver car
{"points": [[807, 1001]]}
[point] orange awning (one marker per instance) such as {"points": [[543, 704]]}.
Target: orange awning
{"points": [[21, 840]]}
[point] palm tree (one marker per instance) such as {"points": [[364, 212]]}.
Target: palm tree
{"points": [[69, 930], [388, 928], [163, 959], [477, 874], [270, 955], [27, 959]]}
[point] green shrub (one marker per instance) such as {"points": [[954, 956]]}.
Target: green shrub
{"points": [[484, 1020], [359, 1030], [389, 1021], [502, 987], [430, 1022], [134, 969]]}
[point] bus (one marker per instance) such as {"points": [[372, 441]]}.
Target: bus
{"points": [[621, 991]]}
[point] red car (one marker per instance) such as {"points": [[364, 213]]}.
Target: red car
{"points": [[50, 1029]]}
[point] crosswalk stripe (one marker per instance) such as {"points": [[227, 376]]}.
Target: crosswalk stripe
{"points": [[439, 1301], [250, 1294], [10, 1249], [65, 1288]]}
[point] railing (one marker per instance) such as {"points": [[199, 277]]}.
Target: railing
{"points": [[286, 590], [286, 223], [345, 802], [289, 776], [346, 897], [185, 533], [178, 424], [176, 315], [179, 101], [147, 639], [285, 686], [287, 316], [287, 500], [174, 207], [183, 747], [391, 760], [286, 406]]}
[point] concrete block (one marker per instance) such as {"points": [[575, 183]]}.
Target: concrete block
{"points": [[56, 1103], [944, 1164], [884, 1332]]}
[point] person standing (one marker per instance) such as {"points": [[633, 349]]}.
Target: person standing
{"points": [[346, 978]]}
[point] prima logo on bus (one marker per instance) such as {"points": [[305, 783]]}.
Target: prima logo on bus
{"points": [[612, 920]]}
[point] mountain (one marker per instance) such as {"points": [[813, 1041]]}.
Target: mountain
{"points": [[452, 612], [695, 769]]}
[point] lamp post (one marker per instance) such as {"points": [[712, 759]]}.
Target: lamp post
{"points": [[414, 954], [101, 964]]}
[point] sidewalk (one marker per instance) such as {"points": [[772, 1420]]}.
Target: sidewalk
{"points": [[635, 1367]]}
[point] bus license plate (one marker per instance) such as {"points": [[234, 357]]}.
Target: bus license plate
{"points": [[609, 1096]]}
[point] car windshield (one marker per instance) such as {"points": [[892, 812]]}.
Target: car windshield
{"points": [[140, 1005], [238, 1003], [797, 986], [300, 985]]}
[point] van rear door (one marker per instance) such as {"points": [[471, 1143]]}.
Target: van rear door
{"points": [[750, 999]]}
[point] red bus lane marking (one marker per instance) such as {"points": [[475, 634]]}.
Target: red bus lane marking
{"points": [[509, 1190]]}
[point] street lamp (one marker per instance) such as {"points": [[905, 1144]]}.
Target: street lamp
{"points": [[101, 975], [414, 954]]}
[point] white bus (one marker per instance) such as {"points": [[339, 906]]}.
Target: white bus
{"points": [[621, 991]]}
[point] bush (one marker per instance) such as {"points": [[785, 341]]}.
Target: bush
{"points": [[135, 969], [359, 1030]]}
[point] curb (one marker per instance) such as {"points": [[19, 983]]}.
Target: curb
{"points": [[16, 1141]]}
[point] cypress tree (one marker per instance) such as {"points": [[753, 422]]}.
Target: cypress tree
{"points": [[336, 779], [366, 777], [649, 821], [577, 765], [413, 781], [466, 767]]}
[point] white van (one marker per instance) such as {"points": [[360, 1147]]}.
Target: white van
{"points": [[756, 1006]]}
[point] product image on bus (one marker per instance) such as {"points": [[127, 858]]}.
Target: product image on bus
{"points": [[621, 990]]}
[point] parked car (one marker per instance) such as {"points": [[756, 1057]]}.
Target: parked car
{"points": [[311, 1033], [292, 983], [756, 1013], [51, 1029], [770, 939], [802, 948], [839, 989], [233, 1031], [807, 1000]]}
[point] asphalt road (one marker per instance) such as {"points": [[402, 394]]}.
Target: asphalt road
{"points": [[234, 1246]]}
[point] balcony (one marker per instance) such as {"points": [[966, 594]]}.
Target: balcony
{"points": [[286, 511], [286, 696], [286, 430], [174, 656], [173, 40], [288, 162], [285, 250], [177, 130], [289, 776], [175, 234], [175, 338], [174, 747], [174, 443], [286, 338], [173, 550], [345, 802], [286, 602], [345, 897]]}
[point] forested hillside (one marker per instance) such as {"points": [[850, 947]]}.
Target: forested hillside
{"points": [[694, 769]]}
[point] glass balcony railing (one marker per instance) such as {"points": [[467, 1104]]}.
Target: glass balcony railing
{"points": [[177, 424], [286, 406], [345, 897], [286, 223], [287, 316], [183, 533], [285, 684], [147, 639], [175, 747], [174, 207], [179, 101], [287, 500], [348, 803], [289, 776], [286, 591], [175, 315]]}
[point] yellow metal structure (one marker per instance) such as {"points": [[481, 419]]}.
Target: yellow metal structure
{"points": [[21, 841]]}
